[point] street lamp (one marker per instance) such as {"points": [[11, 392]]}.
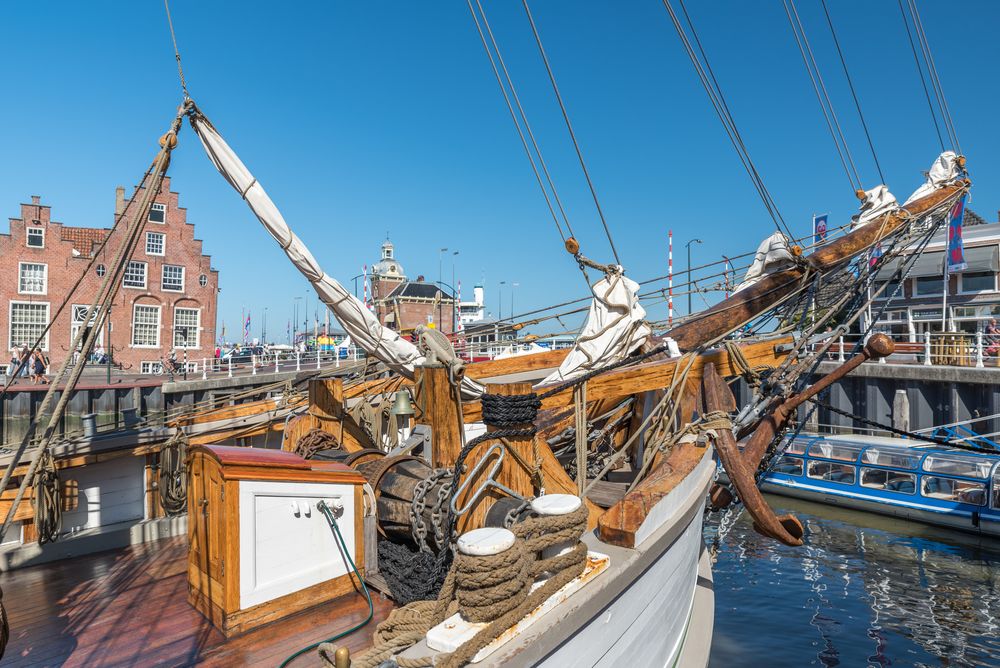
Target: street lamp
{"points": [[690, 285], [263, 328], [295, 318], [454, 296], [512, 286], [441, 253], [500, 300]]}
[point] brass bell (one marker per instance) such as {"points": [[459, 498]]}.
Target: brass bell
{"points": [[402, 407]]}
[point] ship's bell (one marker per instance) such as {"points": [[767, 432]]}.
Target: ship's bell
{"points": [[402, 407]]}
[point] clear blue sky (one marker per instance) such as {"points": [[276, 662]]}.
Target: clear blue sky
{"points": [[367, 118]]}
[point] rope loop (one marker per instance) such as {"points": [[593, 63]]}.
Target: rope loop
{"points": [[507, 411]]}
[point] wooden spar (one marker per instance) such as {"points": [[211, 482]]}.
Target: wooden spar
{"points": [[770, 290], [437, 407]]}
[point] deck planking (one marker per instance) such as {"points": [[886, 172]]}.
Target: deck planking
{"points": [[129, 607]]}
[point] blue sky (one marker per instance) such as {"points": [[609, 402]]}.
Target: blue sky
{"points": [[367, 118]]}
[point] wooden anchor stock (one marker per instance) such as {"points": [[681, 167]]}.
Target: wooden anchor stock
{"points": [[741, 467]]}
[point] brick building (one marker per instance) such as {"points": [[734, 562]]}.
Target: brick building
{"points": [[167, 299], [402, 304]]}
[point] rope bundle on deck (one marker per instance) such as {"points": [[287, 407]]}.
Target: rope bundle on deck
{"points": [[495, 589], [172, 478]]}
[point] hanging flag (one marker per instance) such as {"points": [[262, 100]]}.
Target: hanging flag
{"points": [[956, 250], [819, 228], [288, 330], [223, 330], [246, 329], [875, 255]]}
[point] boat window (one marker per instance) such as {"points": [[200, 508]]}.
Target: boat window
{"points": [[788, 466], [796, 448], [950, 489], [842, 473], [891, 481], [964, 465], [844, 452], [898, 458]]}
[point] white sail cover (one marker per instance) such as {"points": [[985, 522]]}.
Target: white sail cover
{"points": [[360, 324], [944, 170], [772, 255], [615, 326], [878, 202]]}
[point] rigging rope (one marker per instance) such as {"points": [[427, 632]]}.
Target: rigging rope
{"points": [[569, 126], [920, 71], [177, 53], [854, 93], [825, 103], [925, 47], [711, 85]]}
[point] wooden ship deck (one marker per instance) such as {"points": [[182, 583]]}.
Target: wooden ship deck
{"points": [[128, 607]]}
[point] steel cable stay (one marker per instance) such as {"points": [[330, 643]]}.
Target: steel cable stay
{"points": [[932, 74], [854, 94], [920, 73], [822, 96], [712, 87], [569, 127]]}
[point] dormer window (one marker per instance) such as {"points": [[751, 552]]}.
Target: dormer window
{"points": [[158, 213], [36, 237]]}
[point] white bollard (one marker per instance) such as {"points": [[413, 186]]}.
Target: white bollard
{"points": [[275, 362], [840, 353], [927, 348], [253, 365], [557, 504], [979, 350], [317, 359], [204, 369], [230, 364], [298, 361]]}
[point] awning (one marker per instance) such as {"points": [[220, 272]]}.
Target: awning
{"points": [[979, 258]]}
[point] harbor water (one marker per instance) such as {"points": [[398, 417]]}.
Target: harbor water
{"points": [[864, 590]]}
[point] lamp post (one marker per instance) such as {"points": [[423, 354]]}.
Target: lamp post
{"points": [[263, 328], [689, 284], [441, 252], [295, 318], [454, 296], [512, 286], [500, 300]]}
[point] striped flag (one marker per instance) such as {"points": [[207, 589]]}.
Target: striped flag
{"points": [[956, 249]]}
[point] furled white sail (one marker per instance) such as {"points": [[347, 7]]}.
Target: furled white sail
{"points": [[878, 202], [772, 255], [361, 325], [615, 326], [945, 170]]}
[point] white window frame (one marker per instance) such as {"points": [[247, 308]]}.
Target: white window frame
{"points": [[163, 277], [27, 236], [197, 328], [162, 208], [150, 367], [159, 324], [20, 279], [145, 275], [963, 291], [163, 243], [203, 280], [10, 325], [76, 322], [917, 294]]}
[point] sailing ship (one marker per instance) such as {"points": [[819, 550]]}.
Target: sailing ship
{"points": [[543, 509]]}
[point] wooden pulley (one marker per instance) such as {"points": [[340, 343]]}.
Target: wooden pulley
{"points": [[168, 141], [572, 246], [860, 194]]}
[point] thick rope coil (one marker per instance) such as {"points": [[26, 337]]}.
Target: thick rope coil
{"points": [[487, 587], [47, 501], [315, 440], [172, 477]]}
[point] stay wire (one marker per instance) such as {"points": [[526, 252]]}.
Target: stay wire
{"points": [[569, 127], [798, 31], [935, 79], [177, 53], [920, 72], [854, 94], [718, 101]]}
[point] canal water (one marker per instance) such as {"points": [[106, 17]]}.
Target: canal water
{"points": [[864, 590]]}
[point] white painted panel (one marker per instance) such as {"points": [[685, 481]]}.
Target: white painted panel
{"points": [[286, 543], [109, 492]]}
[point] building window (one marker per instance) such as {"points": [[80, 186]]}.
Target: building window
{"points": [[146, 326], [977, 281], [155, 243], [186, 321], [147, 367], [27, 322], [135, 275], [101, 270], [928, 285], [32, 278], [36, 237], [173, 278], [203, 280], [77, 318], [158, 213], [891, 288]]}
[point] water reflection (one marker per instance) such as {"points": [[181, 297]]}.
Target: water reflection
{"points": [[863, 591]]}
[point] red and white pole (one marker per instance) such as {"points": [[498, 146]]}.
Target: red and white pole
{"points": [[670, 278]]}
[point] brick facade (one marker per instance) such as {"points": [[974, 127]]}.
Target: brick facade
{"points": [[401, 304], [36, 279]]}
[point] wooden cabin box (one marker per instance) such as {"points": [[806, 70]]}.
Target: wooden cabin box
{"points": [[259, 549]]}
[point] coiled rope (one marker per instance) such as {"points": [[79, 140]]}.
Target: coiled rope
{"points": [[172, 476], [48, 500]]}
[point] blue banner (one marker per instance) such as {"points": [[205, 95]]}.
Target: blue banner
{"points": [[819, 228], [956, 250]]}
